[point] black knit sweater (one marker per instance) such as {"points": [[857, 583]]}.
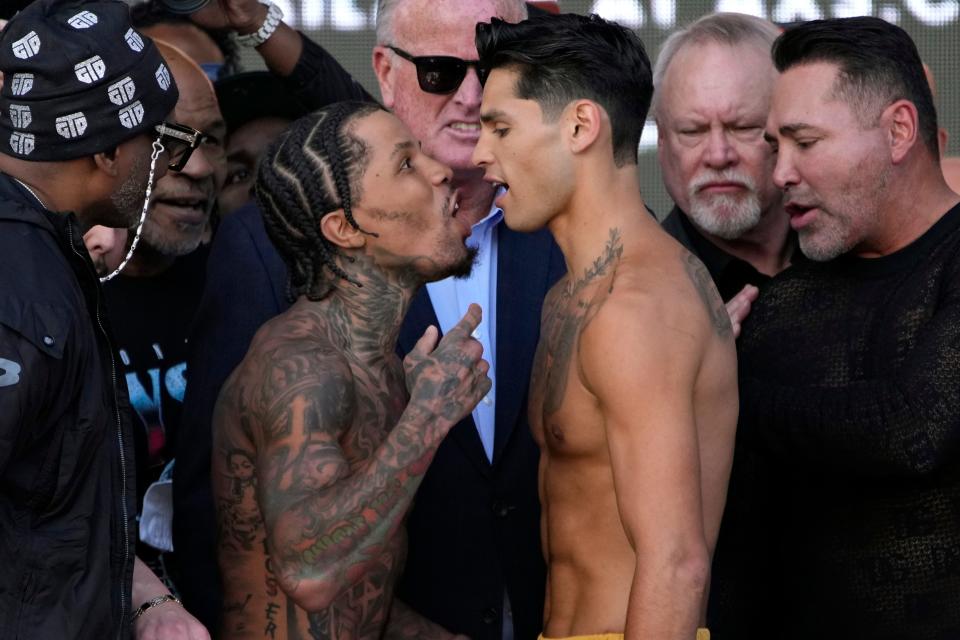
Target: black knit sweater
{"points": [[850, 391]]}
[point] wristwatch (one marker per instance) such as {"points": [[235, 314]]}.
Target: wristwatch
{"points": [[261, 35]]}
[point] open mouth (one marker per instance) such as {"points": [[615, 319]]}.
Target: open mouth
{"points": [[794, 209], [453, 203], [190, 209], [800, 214], [466, 128]]}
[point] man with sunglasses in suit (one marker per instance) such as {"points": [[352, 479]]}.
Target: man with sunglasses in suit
{"points": [[474, 563]]}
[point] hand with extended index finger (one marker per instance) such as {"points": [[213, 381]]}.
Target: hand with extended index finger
{"points": [[449, 379]]}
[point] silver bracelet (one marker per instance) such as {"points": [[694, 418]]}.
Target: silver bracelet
{"points": [[149, 604], [261, 35]]}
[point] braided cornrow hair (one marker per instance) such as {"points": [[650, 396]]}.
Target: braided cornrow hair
{"points": [[314, 168]]}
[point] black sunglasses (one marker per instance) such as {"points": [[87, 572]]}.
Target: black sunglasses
{"points": [[441, 74], [180, 141]]}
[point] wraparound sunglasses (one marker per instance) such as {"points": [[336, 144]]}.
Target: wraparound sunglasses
{"points": [[441, 74]]}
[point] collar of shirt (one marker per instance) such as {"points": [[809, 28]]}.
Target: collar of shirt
{"points": [[451, 297]]}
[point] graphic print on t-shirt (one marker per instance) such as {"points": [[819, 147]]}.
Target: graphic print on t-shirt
{"points": [[154, 384]]}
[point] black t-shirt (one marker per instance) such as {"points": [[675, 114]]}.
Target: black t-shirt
{"points": [[151, 320], [850, 388], [729, 273]]}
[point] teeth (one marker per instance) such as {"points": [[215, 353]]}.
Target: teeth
{"points": [[465, 126]]}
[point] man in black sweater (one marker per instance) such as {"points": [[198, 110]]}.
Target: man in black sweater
{"points": [[850, 361]]}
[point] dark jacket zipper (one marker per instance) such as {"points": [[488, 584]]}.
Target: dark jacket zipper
{"points": [[123, 459]]}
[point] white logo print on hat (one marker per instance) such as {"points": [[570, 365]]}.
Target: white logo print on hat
{"points": [[20, 116], [90, 69], [21, 143], [131, 115], [83, 20], [134, 41], [120, 93], [21, 83], [27, 46], [72, 125], [163, 77]]}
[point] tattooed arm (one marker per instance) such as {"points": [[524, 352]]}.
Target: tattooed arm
{"points": [[647, 405], [328, 521]]}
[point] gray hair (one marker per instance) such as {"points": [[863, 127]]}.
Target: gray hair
{"points": [[509, 10], [723, 28]]}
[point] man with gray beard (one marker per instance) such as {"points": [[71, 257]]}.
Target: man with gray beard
{"points": [[713, 84], [713, 81], [153, 301]]}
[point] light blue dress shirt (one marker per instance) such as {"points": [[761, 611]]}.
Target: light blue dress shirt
{"points": [[452, 296]]}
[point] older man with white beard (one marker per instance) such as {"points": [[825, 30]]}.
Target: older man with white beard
{"points": [[713, 83]]}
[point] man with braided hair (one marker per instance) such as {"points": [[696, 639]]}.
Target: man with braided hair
{"points": [[321, 435]]}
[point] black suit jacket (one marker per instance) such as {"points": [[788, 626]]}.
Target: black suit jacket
{"points": [[474, 530]]}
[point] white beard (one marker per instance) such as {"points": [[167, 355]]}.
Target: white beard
{"points": [[724, 216]]}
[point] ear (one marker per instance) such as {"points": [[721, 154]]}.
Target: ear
{"points": [[903, 128], [108, 161], [337, 229], [584, 124], [385, 72], [942, 138]]}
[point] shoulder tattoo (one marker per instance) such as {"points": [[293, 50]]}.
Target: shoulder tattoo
{"points": [[707, 291]]}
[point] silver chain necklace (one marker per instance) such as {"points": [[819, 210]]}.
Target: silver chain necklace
{"points": [[157, 150], [32, 192]]}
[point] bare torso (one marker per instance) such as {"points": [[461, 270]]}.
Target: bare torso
{"points": [[590, 555], [369, 400]]}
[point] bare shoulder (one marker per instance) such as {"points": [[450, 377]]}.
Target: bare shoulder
{"points": [[676, 287], [659, 311], [707, 294], [287, 376]]}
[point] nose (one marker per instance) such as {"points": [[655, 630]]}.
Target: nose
{"points": [[481, 153], [785, 172], [470, 92], [720, 153], [437, 172], [202, 162]]}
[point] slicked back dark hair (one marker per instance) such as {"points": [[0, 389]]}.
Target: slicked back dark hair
{"points": [[562, 58], [312, 169], [878, 65]]}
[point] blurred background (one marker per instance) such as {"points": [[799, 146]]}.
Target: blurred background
{"points": [[345, 27]]}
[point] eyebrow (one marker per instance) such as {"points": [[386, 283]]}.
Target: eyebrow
{"points": [[401, 146], [492, 115], [794, 128]]}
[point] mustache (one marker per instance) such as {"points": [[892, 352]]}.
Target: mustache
{"points": [[727, 175]]}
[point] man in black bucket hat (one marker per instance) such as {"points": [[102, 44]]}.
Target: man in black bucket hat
{"points": [[82, 138]]}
